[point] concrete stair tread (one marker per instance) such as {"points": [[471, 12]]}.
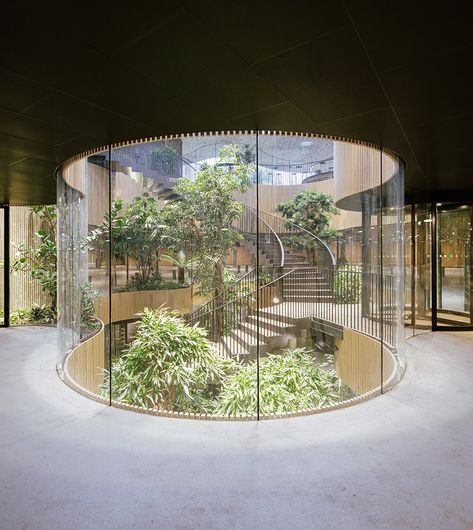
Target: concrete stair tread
{"points": [[233, 347], [247, 338], [272, 322], [265, 332]]}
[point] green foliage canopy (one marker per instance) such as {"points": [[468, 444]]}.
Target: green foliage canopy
{"points": [[41, 262], [169, 365], [312, 211], [202, 220]]}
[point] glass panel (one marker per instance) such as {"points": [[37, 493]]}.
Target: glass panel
{"points": [[184, 244], [231, 275], [2, 262], [83, 203], [409, 270], [454, 265], [423, 262], [392, 268]]}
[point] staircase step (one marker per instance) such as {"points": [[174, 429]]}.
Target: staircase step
{"points": [[233, 348], [273, 324], [267, 314], [252, 329], [309, 298], [306, 288], [248, 342]]}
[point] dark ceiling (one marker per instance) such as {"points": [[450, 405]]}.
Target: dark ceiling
{"points": [[393, 73]]}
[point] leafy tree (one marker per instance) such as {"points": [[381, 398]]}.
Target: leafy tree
{"points": [[184, 264], [88, 296], [137, 233], [202, 220], [312, 211], [115, 224], [169, 365], [348, 284], [41, 262]]}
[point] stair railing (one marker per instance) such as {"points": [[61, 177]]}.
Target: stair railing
{"points": [[286, 228], [269, 241], [342, 307]]}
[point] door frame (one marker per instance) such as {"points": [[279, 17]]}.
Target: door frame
{"points": [[434, 265], [6, 265]]}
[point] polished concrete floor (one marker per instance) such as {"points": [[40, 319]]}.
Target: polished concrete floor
{"points": [[403, 460]]}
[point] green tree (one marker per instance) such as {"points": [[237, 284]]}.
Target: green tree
{"points": [[41, 262], [312, 211], [202, 220], [137, 233], [114, 223]]}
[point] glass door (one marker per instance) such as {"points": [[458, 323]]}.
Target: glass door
{"points": [[4, 266], [454, 263]]}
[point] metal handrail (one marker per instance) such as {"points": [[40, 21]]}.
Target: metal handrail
{"points": [[240, 280], [265, 286], [287, 221], [281, 247]]}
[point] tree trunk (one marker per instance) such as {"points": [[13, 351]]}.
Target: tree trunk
{"points": [[219, 288]]}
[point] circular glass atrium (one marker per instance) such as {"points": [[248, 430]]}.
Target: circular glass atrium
{"points": [[238, 275]]}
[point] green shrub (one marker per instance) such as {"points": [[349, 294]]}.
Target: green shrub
{"points": [[42, 314], [172, 284], [288, 382], [20, 317], [88, 297], [348, 284], [139, 283], [154, 283], [169, 365]]}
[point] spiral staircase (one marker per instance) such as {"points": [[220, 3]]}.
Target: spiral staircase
{"points": [[286, 302]]}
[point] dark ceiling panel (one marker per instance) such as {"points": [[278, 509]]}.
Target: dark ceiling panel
{"points": [[432, 90], [199, 68], [283, 117], [18, 94], [397, 36], [396, 75], [21, 126], [265, 29], [329, 77]]}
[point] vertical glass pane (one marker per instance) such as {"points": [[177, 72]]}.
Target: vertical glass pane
{"points": [[454, 264], [183, 274], [409, 270], [392, 252], [2, 262], [423, 261], [315, 284], [83, 190]]}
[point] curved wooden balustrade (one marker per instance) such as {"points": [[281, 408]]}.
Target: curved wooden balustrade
{"points": [[358, 362], [83, 367], [359, 169], [126, 305]]}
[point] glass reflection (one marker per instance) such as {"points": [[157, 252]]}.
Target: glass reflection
{"points": [[235, 275]]}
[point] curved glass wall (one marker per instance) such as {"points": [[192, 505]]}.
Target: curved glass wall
{"points": [[241, 275]]}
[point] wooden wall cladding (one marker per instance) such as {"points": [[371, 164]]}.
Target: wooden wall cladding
{"points": [[358, 362], [359, 168], [24, 291], [125, 306], [84, 365]]}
